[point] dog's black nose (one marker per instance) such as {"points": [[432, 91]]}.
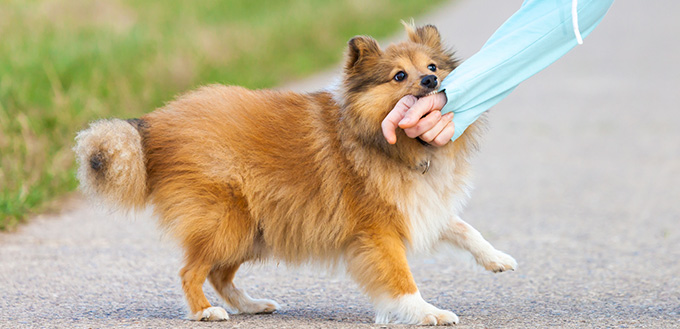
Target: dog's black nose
{"points": [[429, 81]]}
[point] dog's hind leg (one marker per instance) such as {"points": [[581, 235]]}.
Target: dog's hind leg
{"points": [[193, 275], [466, 237], [214, 229], [222, 276], [377, 261]]}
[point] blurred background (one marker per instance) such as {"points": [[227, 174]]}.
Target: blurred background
{"points": [[64, 63], [577, 175]]}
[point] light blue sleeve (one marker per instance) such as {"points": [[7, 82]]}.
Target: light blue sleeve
{"points": [[538, 34]]}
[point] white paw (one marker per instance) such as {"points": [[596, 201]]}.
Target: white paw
{"points": [[412, 309], [439, 317], [212, 313], [497, 261], [259, 306], [239, 301]]}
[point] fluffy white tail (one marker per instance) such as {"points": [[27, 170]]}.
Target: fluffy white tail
{"points": [[111, 163]]}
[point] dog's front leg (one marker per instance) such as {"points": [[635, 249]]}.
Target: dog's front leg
{"points": [[462, 235], [376, 259]]}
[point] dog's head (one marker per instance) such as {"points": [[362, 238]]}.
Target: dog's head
{"points": [[375, 79]]}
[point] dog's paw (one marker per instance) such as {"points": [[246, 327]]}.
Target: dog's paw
{"points": [[239, 302], [259, 306], [212, 313], [439, 317], [412, 309], [498, 261]]}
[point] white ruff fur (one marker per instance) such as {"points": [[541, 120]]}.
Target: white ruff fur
{"points": [[434, 203], [411, 309]]}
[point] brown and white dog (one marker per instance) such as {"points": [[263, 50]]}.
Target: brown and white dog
{"points": [[238, 175]]}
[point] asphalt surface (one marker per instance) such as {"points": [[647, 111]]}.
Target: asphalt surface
{"points": [[578, 178]]}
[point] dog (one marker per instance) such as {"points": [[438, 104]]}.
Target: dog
{"points": [[240, 175]]}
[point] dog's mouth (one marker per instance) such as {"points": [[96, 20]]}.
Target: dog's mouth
{"points": [[428, 93]]}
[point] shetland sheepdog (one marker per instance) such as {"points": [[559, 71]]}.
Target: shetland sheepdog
{"points": [[238, 175]]}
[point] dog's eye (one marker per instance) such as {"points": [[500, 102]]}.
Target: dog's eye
{"points": [[432, 67], [400, 76]]}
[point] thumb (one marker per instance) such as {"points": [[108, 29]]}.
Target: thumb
{"points": [[391, 122]]}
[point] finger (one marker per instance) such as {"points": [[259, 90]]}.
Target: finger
{"points": [[425, 124], [391, 122], [423, 106], [445, 136], [431, 134]]}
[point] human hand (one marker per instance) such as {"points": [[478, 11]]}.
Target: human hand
{"points": [[434, 128]]}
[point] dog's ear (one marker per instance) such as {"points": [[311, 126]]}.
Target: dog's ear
{"points": [[361, 48], [427, 35]]}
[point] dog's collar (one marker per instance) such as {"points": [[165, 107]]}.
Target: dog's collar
{"points": [[425, 165]]}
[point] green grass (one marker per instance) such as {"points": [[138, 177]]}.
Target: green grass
{"points": [[64, 63]]}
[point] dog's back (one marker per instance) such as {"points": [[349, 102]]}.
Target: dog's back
{"points": [[273, 158]]}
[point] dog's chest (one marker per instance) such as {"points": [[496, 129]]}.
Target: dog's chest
{"points": [[435, 199]]}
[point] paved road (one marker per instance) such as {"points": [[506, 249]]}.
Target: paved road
{"points": [[578, 178]]}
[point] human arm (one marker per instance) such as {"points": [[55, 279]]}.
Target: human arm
{"points": [[538, 34]]}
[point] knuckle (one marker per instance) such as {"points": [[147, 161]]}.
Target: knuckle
{"points": [[427, 137], [444, 137], [430, 101], [411, 133], [430, 122]]}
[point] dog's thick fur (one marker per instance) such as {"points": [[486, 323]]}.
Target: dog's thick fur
{"points": [[238, 175]]}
